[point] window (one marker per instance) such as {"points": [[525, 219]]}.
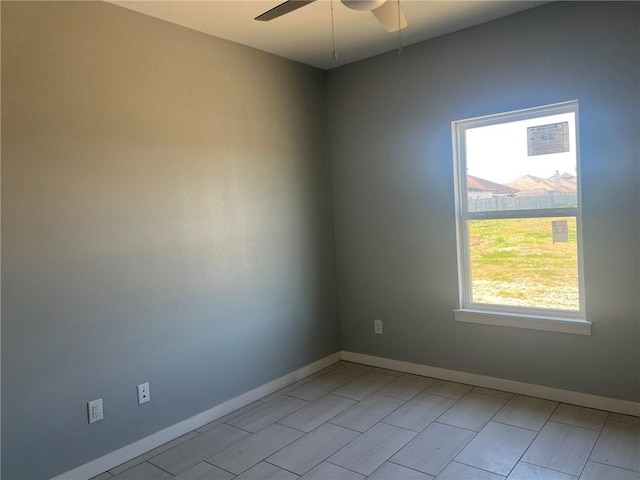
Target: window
{"points": [[519, 219]]}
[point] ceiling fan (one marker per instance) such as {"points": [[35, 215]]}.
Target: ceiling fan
{"points": [[387, 12]]}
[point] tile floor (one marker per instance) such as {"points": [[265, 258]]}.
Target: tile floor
{"points": [[352, 421]]}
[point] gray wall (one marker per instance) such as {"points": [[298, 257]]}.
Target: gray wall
{"points": [[391, 153], [166, 217], [166, 213]]}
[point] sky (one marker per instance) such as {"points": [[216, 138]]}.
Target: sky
{"points": [[499, 153]]}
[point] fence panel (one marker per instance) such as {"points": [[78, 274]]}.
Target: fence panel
{"points": [[507, 202]]}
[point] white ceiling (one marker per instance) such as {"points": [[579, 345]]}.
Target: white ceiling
{"points": [[305, 34]]}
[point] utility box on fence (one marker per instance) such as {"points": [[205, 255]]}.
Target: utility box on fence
{"points": [[560, 230]]}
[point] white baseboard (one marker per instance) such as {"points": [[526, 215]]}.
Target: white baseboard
{"points": [[135, 449], [559, 395]]}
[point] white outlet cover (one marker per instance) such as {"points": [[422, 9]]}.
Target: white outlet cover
{"points": [[144, 393], [95, 410]]}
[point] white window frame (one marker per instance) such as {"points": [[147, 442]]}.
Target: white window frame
{"points": [[567, 321]]}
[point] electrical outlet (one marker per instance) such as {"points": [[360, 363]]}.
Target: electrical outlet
{"points": [[95, 411], [144, 394], [377, 326]]}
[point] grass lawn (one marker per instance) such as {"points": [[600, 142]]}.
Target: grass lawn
{"points": [[515, 262]]}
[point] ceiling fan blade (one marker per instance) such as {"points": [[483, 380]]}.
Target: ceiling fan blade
{"points": [[387, 15], [282, 9]]}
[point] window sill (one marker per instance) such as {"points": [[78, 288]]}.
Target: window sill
{"points": [[532, 322]]}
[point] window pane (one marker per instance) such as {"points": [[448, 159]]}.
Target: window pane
{"points": [[527, 262], [525, 164]]}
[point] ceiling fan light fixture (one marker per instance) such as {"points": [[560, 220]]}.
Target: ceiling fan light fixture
{"points": [[362, 4]]}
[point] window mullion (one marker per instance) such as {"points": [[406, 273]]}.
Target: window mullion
{"points": [[540, 213]]}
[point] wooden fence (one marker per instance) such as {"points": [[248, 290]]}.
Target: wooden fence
{"points": [[507, 202]]}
